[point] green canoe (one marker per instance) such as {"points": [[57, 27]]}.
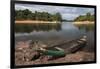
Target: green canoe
{"points": [[54, 53]]}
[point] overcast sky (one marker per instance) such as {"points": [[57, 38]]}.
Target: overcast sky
{"points": [[68, 13]]}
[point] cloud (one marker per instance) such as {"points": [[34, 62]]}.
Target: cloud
{"points": [[66, 12]]}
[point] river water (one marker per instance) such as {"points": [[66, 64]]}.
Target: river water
{"points": [[64, 31]]}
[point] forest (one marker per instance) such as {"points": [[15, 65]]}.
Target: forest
{"points": [[87, 17], [26, 14], [39, 16]]}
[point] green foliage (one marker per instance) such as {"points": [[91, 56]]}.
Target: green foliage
{"points": [[42, 16], [87, 17]]}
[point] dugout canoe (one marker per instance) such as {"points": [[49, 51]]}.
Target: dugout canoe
{"points": [[67, 47]]}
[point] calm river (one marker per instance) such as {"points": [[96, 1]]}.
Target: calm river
{"points": [[51, 33]]}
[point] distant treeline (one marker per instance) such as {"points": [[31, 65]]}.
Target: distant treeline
{"points": [[87, 17], [67, 20], [41, 16]]}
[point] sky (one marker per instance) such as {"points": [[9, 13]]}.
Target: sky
{"points": [[68, 13]]}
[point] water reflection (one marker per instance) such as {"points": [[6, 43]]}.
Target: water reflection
{"points": [[88, 30], [55, 32], [85, 27], [37, 27], [63, 31]]}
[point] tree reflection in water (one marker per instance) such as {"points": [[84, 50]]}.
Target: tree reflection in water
{"points": [[22, 28], [85, 27]]}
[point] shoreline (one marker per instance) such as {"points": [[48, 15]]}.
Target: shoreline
{"points": [[32, 21], [83, 22]]}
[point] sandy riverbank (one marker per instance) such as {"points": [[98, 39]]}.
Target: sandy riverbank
{"points": [[32, 21], [84, 22]]}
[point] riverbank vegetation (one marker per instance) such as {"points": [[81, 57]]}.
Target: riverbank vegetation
{"points": [[26, 14], [87, 17]]}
